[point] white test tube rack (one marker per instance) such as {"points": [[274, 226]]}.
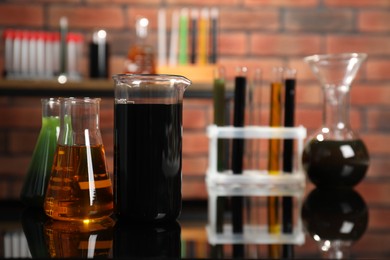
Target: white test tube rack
{"points": [[253, 183]]}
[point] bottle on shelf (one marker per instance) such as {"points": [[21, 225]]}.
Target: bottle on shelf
{"points": [[141, 57]]}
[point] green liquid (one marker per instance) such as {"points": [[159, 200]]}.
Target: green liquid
{"points": [[38, 174]]}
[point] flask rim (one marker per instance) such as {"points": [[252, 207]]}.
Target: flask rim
{"points": [[335, 57]]}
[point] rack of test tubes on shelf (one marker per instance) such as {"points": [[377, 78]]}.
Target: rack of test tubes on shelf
{"points": [[254, 184]]}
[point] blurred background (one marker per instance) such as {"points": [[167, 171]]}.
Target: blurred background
{"points": [[253, 33]]}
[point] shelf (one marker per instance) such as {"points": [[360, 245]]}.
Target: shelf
{"points": [[89, 87]]}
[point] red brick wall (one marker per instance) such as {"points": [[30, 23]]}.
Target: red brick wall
{"points": [[254, 33]]}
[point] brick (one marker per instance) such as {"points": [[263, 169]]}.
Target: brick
{"points": [[370, 94], [15, 166], [91, 17], [121, 47], [21, 15], [19, 117], [377, 143], [233, 44], [129, 2], [23, 142], [195, 143], [280, 3], [378, 119], [357, 3], [308, 95], [304, 71], [285, 44], [194, 118], [310, 117], [107, 117], [370, 44], [376, 218], [249, 19], [197, 103], [377, 69], [194, 189], [379, 167], [150, 13], [373, 21], [117, 64], [202, 2], [319, 20], [374, 193], [194, 166]]}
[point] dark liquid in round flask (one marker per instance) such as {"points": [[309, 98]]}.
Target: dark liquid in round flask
{"points": [[332, 163], [335, 156]]}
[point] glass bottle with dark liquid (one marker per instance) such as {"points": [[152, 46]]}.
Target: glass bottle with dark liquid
{"points": [[148, 146], [335, 156], [79, 187]]}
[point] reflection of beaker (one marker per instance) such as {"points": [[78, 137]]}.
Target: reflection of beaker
{"points": [[335, 219], [35, 182], [335, 156], [80, 186], [71, 239], [148, 146], [141, 240]]}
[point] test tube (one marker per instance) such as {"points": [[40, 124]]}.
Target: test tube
{"points": [[274, 155]]}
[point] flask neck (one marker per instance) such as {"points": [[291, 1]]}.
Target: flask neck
{"points": [[336, 109]]}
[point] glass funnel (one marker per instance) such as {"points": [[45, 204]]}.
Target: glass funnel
{"points": [[79, 187], [335, 156], [37, 177]]}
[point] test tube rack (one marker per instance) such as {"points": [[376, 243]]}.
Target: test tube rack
{"points": [[253, 183]]}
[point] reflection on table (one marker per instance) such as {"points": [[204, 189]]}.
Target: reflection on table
{"points": [[333, 221]]}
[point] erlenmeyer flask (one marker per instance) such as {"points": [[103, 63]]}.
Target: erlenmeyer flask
{"points": [[80, 187], [335, 156], [37, 177]]}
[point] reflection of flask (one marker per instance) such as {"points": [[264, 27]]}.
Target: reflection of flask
{"points": [[79, 187], [140, 58], [70, 239], [35, 183], [335, 156], [33, 220], [147, 240], [335, 218]]}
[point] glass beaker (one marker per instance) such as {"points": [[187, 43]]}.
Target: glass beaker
{"points": [[335, 156], [37, 177], [80, 187], [148, 146]]}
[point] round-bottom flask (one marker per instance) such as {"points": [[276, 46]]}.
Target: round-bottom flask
{"points": [[335, 156]]}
